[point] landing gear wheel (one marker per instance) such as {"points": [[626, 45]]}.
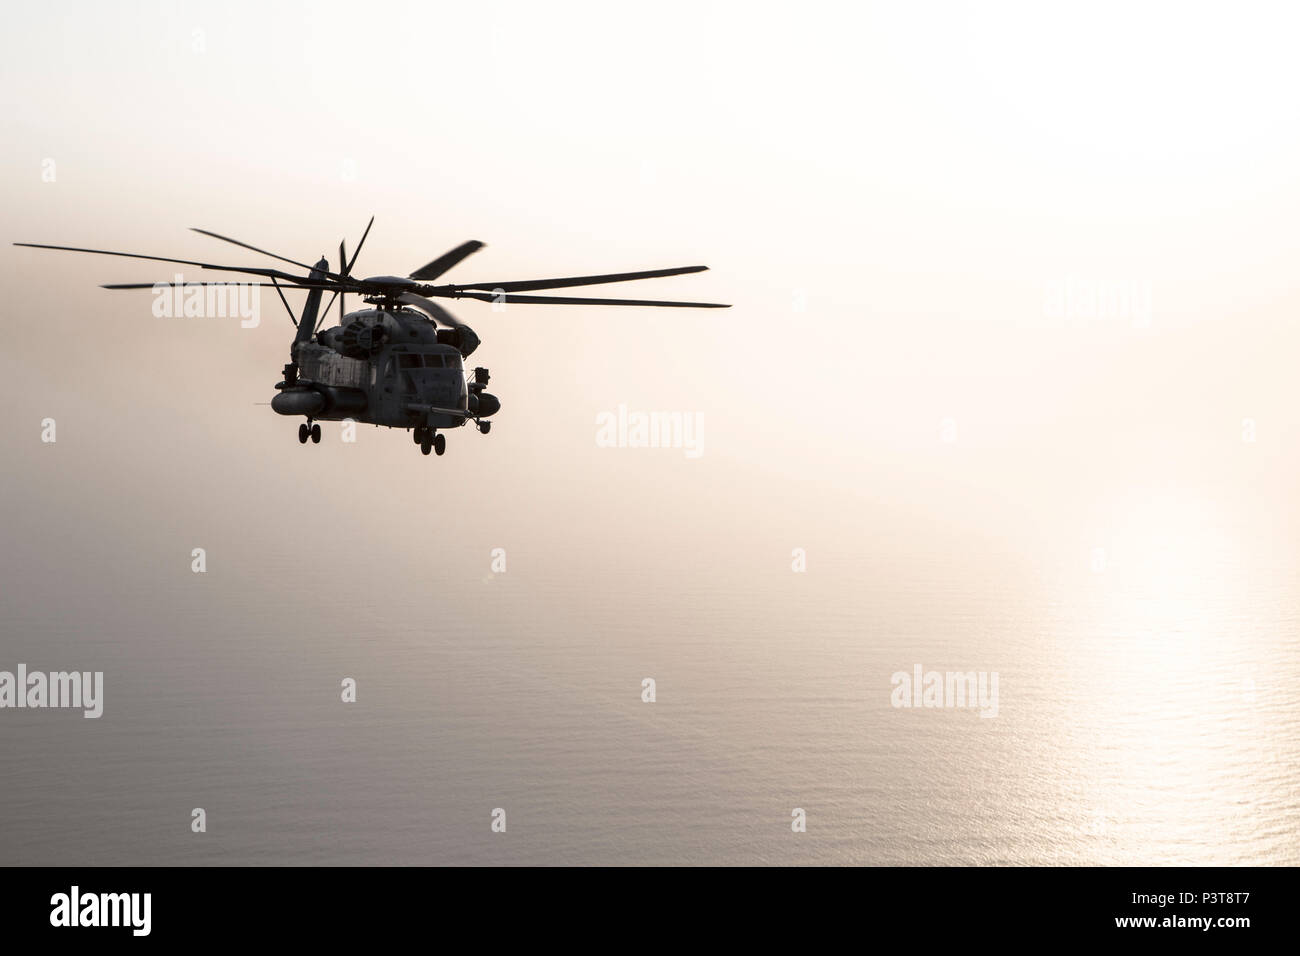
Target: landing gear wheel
{"points": [[439, 444], [425, 445], [418, 434], [315, 434], [303, 432], [484, 427]]}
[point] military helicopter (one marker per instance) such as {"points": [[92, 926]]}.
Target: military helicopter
{"points": [[399, 364]]}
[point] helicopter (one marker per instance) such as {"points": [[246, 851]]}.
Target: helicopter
{"points": [[399, 363]]}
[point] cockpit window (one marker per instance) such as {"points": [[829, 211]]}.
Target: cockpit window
{"points": [[433, 361], [408, 361]]}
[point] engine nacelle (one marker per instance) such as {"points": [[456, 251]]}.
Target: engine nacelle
{"points": [[359, 339], [462, 338]]}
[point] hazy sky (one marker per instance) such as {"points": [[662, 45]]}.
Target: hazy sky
{"points": [[896, 197]]}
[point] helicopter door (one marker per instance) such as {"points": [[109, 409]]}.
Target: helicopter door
{"points": [[388, 402]]}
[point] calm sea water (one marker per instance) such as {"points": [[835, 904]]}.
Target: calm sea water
{"points": [[1146, 710]]}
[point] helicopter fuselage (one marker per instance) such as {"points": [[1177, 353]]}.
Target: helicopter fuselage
{"points": [[387, 367]]}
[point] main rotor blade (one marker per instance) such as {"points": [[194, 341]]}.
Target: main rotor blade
{"points": [[264, 285], [266, 273], [129, 255], [448, 259], [434, 310], [347, 271], [532, 285], [575, 300], [236, 242]]}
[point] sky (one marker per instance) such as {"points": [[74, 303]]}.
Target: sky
{"points": [[973, 249]]}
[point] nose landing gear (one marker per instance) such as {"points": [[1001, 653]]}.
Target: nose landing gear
{"points": [[309, 430]]}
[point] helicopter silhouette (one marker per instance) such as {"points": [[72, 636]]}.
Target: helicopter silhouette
{"points": [[400, 363]]}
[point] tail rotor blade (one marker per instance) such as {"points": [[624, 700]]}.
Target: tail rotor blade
{"points": [[353, 260], [343, 258]]}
